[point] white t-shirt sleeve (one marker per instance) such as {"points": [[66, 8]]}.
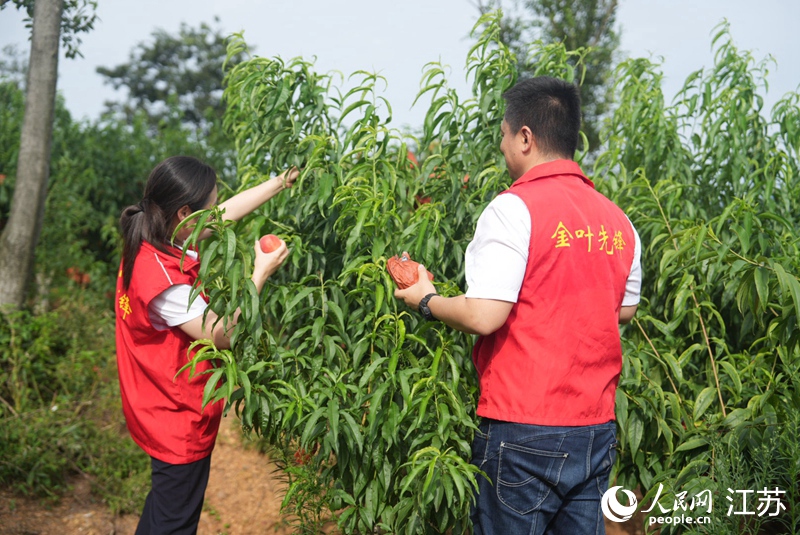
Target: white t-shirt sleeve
{"points": [[633, 285], [171, 307], [497, 256]]}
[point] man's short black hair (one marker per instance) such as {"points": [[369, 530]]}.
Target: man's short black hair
{"points": [[551, 108]]}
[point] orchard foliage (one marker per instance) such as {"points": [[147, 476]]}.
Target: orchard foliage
{"points": [[372, 408], [380, 403], [712, 361]]}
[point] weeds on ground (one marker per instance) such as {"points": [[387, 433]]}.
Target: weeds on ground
{"points": [[60, 412]]}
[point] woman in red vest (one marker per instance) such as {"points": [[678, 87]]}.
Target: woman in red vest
{"points": [[156, 322]]}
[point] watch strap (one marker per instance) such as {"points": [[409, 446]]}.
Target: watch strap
{"points": [[424, 309]]}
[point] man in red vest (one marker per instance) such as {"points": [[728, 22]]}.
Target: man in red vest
{"points": [[553, 268]]}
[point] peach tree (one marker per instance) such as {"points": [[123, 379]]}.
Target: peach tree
{"points": [[710, 389], [370, 408]]}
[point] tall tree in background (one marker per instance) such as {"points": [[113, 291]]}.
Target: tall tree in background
{"points": [[19, 237], [174, 73], [21, 233], [576, 23], [177, 81]]}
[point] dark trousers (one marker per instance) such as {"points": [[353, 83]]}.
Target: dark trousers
{"points": [[175, 501]]}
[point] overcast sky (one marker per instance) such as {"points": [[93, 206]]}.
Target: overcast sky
{"points": [[397, 39]]}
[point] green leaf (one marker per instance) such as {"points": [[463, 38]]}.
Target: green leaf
{"points": [[737, 417], [355, 431], [367, 375], [621, 408], [210, 389], [635, 430], [310, 425], [244, 380], [762, 286], [299, 296], [393, 360], [692, 444], [337, 312], [788, 283], [733, 375], [333, 421], [674, 366], [379, 293], [230, 253], [352, 107], [703, 401], [691, 471]]}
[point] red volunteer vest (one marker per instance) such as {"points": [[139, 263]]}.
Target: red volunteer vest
{"points": [[557, 359], [163, 412]]}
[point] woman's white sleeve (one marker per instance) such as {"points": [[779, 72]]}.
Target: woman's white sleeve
{"points": [[171, 307]]}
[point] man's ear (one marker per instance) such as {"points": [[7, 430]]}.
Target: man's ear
{"points": [[526, 137]]}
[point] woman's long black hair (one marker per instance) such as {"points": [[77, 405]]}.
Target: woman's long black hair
{"points": [[176, 182]]}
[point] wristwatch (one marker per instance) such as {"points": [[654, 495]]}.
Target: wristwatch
{"points": [[423, 307]]}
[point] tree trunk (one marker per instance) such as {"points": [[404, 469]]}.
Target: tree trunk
{"points": [[18, 240]]}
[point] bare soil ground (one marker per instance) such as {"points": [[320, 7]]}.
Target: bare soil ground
{"points": [[243, 498]]}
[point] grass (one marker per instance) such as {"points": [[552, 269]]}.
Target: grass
{"points": [[60, 412]]}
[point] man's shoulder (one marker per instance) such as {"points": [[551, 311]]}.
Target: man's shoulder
{"points": [[507, 203]]}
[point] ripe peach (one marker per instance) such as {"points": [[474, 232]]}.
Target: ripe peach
{"points": [[269, 243]]}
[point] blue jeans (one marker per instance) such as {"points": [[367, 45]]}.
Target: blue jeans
{"points": [[543, 479]]}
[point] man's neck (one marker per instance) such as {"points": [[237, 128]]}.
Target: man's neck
{"points": [[539, 159]]}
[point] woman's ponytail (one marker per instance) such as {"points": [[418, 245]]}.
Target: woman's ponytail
{"points": [[131, 224]]}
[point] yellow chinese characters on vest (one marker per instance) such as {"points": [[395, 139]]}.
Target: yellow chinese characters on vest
{"points": [[607, 242], [124, 302], [125, 305]]}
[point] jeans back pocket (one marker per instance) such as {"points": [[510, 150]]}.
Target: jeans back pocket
{"points": [[525, 476]]}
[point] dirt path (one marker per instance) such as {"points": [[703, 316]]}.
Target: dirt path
{"points": [[243, 498]]}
